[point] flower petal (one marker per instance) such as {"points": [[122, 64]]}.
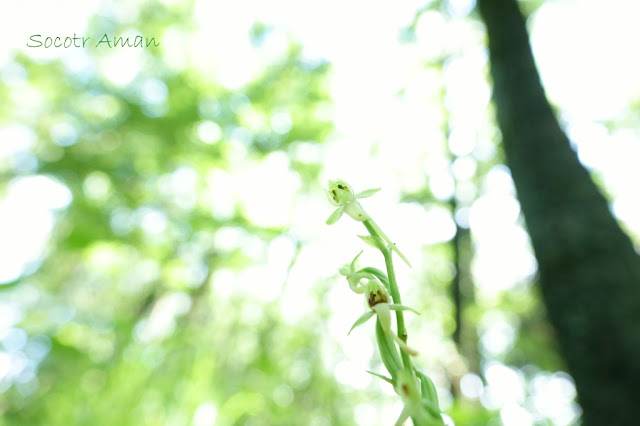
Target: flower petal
{"points": [[367, 193], [364, 318], [355, 259], [355, 284], [335, 215]]}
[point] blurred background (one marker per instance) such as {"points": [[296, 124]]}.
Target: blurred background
{"points": [[163, 253]]}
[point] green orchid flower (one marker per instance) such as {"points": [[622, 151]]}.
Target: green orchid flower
{"points": [[377, 296], [341, 194], [415, 406], [379, 303]]}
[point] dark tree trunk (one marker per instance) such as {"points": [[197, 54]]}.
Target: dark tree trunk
{"points": [[588, 269]]}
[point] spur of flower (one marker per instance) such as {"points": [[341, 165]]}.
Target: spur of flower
{"points": [[341, 194]]}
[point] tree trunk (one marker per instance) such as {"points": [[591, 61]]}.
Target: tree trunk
{"points": [[589, 271]]}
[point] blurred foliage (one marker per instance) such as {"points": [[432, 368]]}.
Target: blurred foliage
{"points": [[122, 318]]}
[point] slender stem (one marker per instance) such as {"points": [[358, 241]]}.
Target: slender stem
{"points": [[395, 293]]}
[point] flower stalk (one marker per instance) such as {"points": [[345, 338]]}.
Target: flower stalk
{"points": [[383, 296]]}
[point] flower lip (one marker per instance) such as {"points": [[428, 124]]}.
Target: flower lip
{"points": [[377, 297]]}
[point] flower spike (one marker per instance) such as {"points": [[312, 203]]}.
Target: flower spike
{"points": [[380, 290]]}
